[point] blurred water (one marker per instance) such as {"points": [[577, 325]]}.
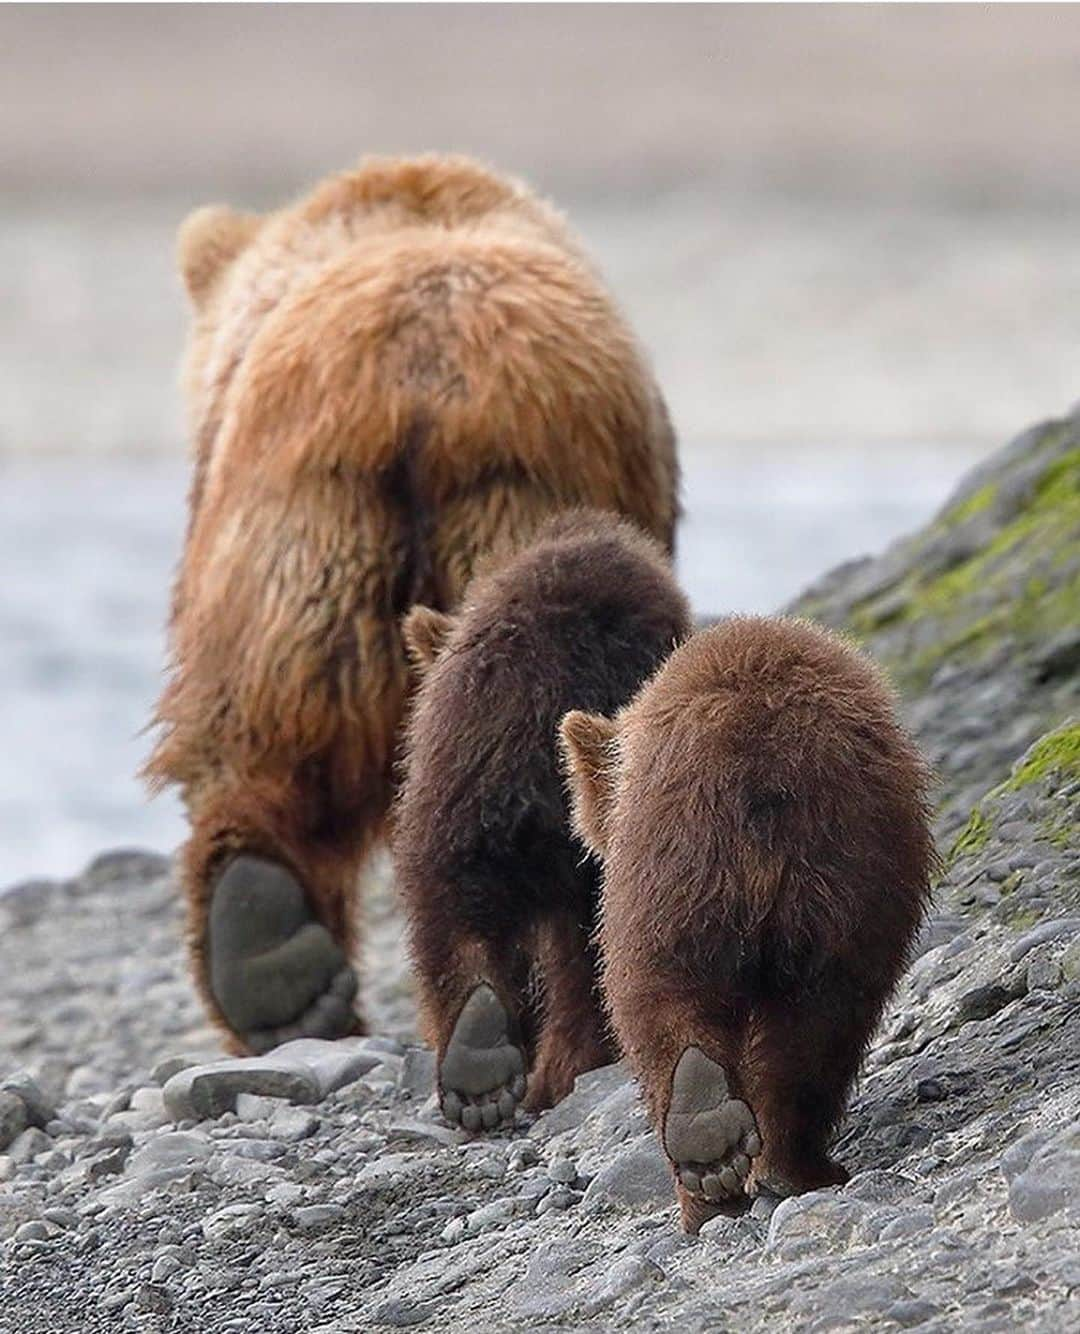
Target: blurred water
{"points": [[86, 558]]}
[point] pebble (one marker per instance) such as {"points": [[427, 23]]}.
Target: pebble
{"points": [[33, 1230], [28, 1145], [255, 1107], [164, 1267], [563, 1170], [558, 1200], [290, 1124], [231, 1221], [314, 1217], [40, 1110], [489, 1216], [1055, 930], [14, 1117], [638, 1177], [1051, 1180]]}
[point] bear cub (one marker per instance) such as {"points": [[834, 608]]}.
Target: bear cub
{"points": [[501, 900], [763, 825]]}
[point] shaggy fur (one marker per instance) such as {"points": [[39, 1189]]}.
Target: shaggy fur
{"points": [[398, 375], [763, 825], [495, 887]]}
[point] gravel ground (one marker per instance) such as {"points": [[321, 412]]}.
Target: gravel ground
{"points": [[147, 1185]]}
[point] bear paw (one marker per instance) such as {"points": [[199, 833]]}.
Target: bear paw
{"points": [[274, 971], [482, 1071], [709, 1136]]}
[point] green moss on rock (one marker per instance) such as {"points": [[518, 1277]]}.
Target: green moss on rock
{"points": [[1057, 752], [972, 838]]}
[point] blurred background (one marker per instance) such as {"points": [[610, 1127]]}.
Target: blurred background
{"points": [[847, 234]]}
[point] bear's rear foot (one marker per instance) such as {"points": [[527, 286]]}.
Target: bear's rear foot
{"points": [[709, 1136], [275, 972], [482, 1071], [816, 1173]]}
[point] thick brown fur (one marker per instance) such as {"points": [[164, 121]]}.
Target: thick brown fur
{"points": [[762, 820], [495, 886], [399, 375]]}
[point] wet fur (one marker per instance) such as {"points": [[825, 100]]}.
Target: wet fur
{"points": [[401, 374], [494, 885], [763, 825]]}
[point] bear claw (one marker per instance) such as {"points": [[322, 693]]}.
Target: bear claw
{"points": [[709, 1136], [482, 1071], [275, 972]]}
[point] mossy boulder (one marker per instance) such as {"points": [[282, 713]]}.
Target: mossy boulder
{"points": [[977, 615]]}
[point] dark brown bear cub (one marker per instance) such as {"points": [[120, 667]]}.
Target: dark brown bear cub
{"points": [[762, 820], [501, 900]]}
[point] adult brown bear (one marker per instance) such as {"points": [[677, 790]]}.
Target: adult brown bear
{"points": [[762, 818], [401, 374]]}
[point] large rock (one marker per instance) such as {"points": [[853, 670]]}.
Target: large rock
{"points": [[976, 615]]}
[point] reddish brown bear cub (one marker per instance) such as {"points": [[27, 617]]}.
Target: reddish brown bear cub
{"points": [[500, 899], [403, 372], [762, 820]]}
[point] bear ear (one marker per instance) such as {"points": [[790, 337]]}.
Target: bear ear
{"points": [[590, 757], [425, 631], [207, 243]]}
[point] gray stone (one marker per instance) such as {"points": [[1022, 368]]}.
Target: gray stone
{"points": [[489, 1216], [1050, 1182], [912, 1312], [33, 1230], [399, 1314], [638, 1177], [417, 1077], [231, 1221], [558, 1199], [14, 1117], [254, 1107], [40, 1110], [908, 1224], [609, 1283], [163, 1268], [332, 1064], [204, 1092], [291, 1124], [164, 1070], [1055, 930], [315, 1217], [28, 1145], [1019, 1154], [589, 1091], [549, 1287], [817, 1221], [563, 1170], [172, 1147]]}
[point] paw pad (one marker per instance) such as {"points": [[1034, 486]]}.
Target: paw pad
{"points": [[482, 1071], [276, 973], [709, 1136]]}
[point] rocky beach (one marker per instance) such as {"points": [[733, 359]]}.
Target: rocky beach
{"points": [[148, 1184]]}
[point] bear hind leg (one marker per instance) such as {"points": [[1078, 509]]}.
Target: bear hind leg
{"points": [[709, 1135], [573, 1036], [482, 1069], [802, 1060], [474, 1010], [272, 915]]}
